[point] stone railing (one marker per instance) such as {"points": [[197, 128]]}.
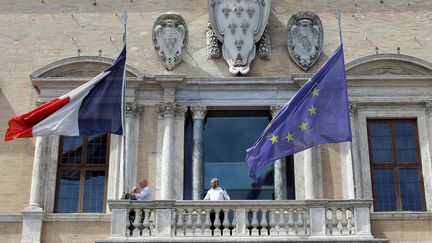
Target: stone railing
{"points": [[300, 220]]}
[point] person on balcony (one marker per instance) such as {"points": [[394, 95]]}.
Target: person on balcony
{"points": [[143, 191], [216, 193]]}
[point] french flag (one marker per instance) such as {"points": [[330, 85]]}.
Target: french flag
{"points": [[94, 108]]}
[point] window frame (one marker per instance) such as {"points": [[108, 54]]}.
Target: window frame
{"points": [[394, 165], [83, 168]]}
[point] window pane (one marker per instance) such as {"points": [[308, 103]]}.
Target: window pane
{"points": [[94, 191], [381, 143], [96, 150], [225, 142], [405, 143], [227, 138], [410, 189], [384, 190], [68, 194], [72, 150]]}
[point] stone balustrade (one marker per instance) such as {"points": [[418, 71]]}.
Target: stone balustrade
{"points": [[220, 220]]}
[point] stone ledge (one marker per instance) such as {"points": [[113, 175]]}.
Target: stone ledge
{"points": [[392, 216], [342, 239], [10, 218], [78, 217]]}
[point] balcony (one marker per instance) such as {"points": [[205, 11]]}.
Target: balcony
{"points": [[240, 221]]}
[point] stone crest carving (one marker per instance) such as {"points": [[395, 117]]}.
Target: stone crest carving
{"points": [[170, 37], [238, 25], [305, 38]]}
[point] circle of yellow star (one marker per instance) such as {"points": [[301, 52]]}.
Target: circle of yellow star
{"points": [[274, 139], [315, 92], [312, 110], [303, 126], [290, 137]]}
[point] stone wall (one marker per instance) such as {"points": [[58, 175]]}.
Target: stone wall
{"points": [[403, 231], [10, 232], [82, 232]]}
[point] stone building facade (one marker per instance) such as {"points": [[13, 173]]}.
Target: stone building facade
{"points": [[50, 47]]}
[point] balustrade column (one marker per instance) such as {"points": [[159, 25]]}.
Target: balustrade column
{"points": [[166, 110], [280, 180], [198, 114]]}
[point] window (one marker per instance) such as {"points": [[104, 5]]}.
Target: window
{"points": [[82, 174], [395, 165]]}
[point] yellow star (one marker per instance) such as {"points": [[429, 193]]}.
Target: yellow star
{"points": [[290, 137], [312, 110], [315, 92], [303, 126], [274, 139]]}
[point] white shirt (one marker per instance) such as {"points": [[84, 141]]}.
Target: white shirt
{"points": [[145, 194], [216, 194]]}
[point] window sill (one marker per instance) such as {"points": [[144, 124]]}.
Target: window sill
{"points": [[393, 216], [78, 217]]}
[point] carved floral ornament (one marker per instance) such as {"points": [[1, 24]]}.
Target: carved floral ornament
{"points": [[305, 39], [170, 37], [240, 25]]}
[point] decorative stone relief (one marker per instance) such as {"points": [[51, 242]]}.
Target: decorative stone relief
{"points": [[305, 39], [213, 45], [238, 25], [170, 37], [428, 104], [353, 107]]}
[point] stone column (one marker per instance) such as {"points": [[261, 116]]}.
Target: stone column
{"points": [[198, 114], [309, 186], [34, 214], [426, 165], [133, 112], [280, 180], [356, 167], [166, 110]]}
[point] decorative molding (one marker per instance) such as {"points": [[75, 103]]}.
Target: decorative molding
{"points": [[198, 112], [264, 46], [170, 109], [213, 45], [238, 25], [305, 38], [388, 64], [170, 36], [133, 108]]}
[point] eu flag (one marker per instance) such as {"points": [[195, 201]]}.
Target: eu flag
{"points": [[318, 113]]}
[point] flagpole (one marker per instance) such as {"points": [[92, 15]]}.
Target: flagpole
{"points": [[338, 17], [125, 186]]}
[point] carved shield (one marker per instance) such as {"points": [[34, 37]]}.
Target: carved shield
{"points": [[305, 39], [238, 24], [169, 39]]}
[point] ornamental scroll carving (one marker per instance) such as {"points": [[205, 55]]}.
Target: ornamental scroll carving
{"points": [[170, 37], [238, 25], [305, 39]]}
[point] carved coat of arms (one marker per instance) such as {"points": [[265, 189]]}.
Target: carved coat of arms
{"points": [[239, 24], [170, 38], [305, 38]]}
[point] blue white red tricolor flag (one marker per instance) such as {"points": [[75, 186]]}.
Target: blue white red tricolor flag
{"points": [[318, 113], [94, 108]]}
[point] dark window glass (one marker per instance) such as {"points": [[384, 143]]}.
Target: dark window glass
{"points": [[384, 185], [83, 170], [395, 165], [410, 191], [94, 191], [69, 188], [226, 139]]}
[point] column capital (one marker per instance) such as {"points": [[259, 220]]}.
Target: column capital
{"points": [[166, 109], [428, 105], [274, 109], [180, 111], [133, 108], [199, 112], [353, 106]]}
